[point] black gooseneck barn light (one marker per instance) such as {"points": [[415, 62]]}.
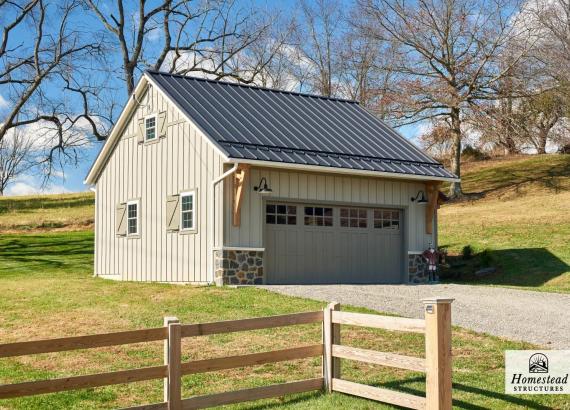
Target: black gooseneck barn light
{"points": [[262, 187], [419, 198]]}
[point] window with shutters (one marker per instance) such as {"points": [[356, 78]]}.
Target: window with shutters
{"points": [[132, 218], [150, 128], [187, 210]]}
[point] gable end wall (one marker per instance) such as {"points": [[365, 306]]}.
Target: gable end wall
{"points": [[183, 160]]}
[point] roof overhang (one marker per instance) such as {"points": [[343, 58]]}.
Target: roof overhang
{"points": [[345, 171], [131, 105]]}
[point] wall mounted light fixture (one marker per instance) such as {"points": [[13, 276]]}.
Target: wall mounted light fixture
{"points": [[420, 198], [262, 187]]}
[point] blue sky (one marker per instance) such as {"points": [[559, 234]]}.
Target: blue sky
{"points": [[72, 177]]}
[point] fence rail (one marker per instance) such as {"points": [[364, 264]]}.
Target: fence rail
{"points": [[436, 365]]}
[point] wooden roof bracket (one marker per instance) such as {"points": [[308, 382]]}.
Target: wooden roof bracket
{"points": [[239, 181], [432, 193]]}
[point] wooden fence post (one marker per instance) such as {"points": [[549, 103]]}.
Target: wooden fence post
{"points": [[174, 366], [438, 353], [167, 321], [331, 335]]}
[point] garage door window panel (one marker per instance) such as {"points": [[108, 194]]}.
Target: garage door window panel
{"points": [[386, 219], [318, 216], [279, 214], [353, 218]]}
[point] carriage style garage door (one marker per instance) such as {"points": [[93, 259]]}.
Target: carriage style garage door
{"points": [[312, 243]]}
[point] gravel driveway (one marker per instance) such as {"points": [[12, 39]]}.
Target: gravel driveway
{"points": [[537, 317]]}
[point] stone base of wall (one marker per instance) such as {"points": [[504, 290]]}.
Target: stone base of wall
{"points": [[238, 267], [417, 269]]}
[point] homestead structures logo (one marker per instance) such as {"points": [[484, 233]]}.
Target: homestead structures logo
{"points": [[532, 372], [538, 363]]}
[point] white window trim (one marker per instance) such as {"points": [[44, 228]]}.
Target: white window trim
{"points": [[137, 203], [155, 128], [191, 193]]}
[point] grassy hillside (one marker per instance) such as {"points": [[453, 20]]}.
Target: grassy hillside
{"points": [[517, 221], [70, 212]]}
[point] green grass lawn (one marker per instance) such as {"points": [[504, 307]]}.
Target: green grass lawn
{"points": [[521, 226], [48, 291]]}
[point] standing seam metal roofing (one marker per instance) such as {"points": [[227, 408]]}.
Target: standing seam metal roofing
{"points": [[255, 123]]}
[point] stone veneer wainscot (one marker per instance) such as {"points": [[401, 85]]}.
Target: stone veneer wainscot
{"points": [[234, 266], [417, 268]]}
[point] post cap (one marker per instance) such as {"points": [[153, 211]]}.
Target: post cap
{"points": [[170, 319], [437, 300]]}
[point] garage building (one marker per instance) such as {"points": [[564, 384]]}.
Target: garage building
{"points": [[207, 181]]}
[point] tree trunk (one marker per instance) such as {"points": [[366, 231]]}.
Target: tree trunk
{"points": [[542, 138], [455, 190]]}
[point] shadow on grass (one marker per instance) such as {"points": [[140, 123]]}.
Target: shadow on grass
{"points": [[402, 386], [531, 267], [44, 251], [506, 399]]}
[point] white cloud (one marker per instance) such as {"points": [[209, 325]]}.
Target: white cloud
{"points": [[31, 185], [23, 188]]}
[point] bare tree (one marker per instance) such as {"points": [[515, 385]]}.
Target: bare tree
{"points": [[15, 150], [449, 56], [551, 18], [318, 40], [209, 38], [367, 66], [36, 68]]}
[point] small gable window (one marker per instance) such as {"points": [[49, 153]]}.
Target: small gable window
{"points": [[150, 128]]}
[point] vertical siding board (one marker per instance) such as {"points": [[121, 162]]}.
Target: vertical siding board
{"points": [[312, 186], [303, 186], [321, 188], [284, 184], [294, 184], [329, 188]]}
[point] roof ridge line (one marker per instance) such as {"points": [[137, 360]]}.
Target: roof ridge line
{"points": [[257, 87], [330, 153]]}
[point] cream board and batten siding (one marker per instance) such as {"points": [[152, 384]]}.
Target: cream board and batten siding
{"points": [[311, 187], [183, 160]]}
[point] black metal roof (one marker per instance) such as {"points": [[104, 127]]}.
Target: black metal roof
{"points": [[257, 123]]}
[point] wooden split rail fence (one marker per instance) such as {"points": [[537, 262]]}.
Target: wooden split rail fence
{"points": [[437, 363]]}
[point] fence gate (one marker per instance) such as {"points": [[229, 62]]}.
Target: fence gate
{"points": [[437, 363]]}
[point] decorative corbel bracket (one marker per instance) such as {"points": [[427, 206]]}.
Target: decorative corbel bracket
{"points": [[432, 193], [239, 181]]}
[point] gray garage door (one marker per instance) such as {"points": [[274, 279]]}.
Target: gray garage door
{"points": [[312, 243]]}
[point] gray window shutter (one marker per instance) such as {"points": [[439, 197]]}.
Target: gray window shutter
{"points": [[162, 124], [121, 220], [172, 213], [140, 131]]}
